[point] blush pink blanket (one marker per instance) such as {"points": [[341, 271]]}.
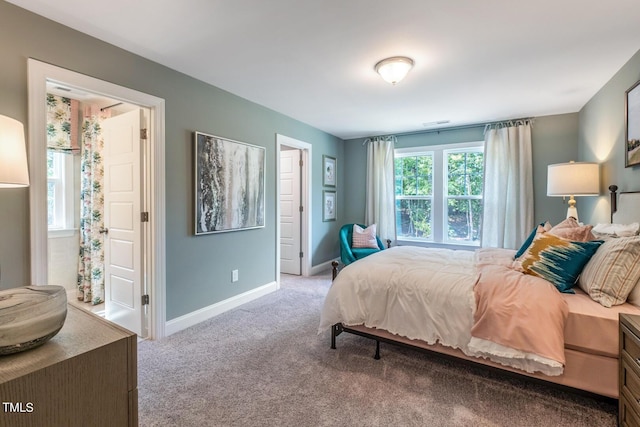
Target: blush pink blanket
{"points": [[519, 311]]}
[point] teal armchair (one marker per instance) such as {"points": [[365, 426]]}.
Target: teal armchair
{"points": [[349, 254]]}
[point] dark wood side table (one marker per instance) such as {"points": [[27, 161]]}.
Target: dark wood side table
{"points": [[629, 403]]}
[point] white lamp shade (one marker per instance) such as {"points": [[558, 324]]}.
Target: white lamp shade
{"points": [[13, 154], [394, 69], [573, 179]]}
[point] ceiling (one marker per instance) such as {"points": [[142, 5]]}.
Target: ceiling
{"points": [[475, 61]]}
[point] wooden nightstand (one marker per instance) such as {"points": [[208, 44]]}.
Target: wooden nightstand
{"points": [[629, 403]]}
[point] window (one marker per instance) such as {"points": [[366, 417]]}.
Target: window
{"points": [[59, 191], [439, 193]]}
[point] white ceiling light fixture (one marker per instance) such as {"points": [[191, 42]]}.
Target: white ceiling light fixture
{"points": [[394, 69]]}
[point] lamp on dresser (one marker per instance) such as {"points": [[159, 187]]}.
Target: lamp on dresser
{"points": [[13, 154], [573, 179]]}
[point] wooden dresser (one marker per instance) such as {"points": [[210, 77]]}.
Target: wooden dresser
{"points": [[629, 403], [86, 375]]}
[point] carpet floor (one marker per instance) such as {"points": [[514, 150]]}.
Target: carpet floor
{"points": [[263, 364]]}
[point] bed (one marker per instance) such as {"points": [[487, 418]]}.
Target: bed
{"points": [[491, 313]]}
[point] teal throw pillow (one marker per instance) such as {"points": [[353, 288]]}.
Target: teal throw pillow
{"points": [[557, 260]]}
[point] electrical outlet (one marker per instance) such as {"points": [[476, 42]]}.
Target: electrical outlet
{"points": [[234, 275]]}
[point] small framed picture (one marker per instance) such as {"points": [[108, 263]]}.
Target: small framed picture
{"points": [[328, 205], [632, 121], [328, 171]]}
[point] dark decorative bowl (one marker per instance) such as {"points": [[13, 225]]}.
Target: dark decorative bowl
{"points": [[30, 316]]}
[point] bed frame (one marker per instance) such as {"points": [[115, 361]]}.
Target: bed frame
{"points": [[588, 373]]}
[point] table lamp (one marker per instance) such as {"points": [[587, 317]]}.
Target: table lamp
{"points": [[13, 154], [573, 179]]}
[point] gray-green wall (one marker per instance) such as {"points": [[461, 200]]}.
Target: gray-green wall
{"points": [[198, 268], [554, 139], [601, 139]]}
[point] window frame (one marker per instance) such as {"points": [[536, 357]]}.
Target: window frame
{"points": [[64, 215], [439, 196], [422, 151]]}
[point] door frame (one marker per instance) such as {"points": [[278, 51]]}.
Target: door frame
{"points": [[39, 73], [305, 199]]}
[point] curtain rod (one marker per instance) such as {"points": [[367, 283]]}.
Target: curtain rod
{"points": [[111, 106], [451, 128], [369, 138]]}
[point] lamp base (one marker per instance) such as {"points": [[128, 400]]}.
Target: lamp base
{"points": [[572, 211]]}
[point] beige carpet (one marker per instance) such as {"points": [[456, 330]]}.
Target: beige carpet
{"points": [[263, 364]]}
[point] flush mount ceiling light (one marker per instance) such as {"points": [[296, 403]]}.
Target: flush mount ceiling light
{"points": [[394, 69]]}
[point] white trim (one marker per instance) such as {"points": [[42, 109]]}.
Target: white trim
{"points": [[205, 313], [38, 75], [305, 236], [64, 191], [430, 244], [61, 232], [320, 268]]}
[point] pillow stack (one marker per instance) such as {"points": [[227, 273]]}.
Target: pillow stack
{"points": [[604, 260]]}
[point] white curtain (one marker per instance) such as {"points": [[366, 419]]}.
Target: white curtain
{"points": [[508, 185], [380, 196]]}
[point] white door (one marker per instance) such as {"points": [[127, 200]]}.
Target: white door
{"points": [[290, 212], [122, 210]]}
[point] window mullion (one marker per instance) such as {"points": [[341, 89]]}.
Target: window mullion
{"points": [[68, 189], [439, 217]]}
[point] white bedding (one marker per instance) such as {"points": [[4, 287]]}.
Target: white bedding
{"points": [[407, 304], [425, 294]]}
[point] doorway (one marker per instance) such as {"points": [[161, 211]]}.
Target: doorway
{"points": [[95, 159], [150, 210], [293, 210]]}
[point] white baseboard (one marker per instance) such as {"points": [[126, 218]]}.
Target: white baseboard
{"points": [[179, 323], [316, 269]]}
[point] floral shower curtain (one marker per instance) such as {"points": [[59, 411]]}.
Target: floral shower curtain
{"points": [[91, 262]]}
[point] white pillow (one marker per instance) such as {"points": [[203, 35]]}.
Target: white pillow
{"points": [[620, 230], [364, 237], [613, 271]]}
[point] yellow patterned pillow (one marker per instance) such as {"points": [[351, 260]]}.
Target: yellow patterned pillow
{"points": [[559, 261]]}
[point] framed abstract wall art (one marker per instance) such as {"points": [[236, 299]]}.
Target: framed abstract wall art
{"points": [[229, 185], [632, 126]]}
